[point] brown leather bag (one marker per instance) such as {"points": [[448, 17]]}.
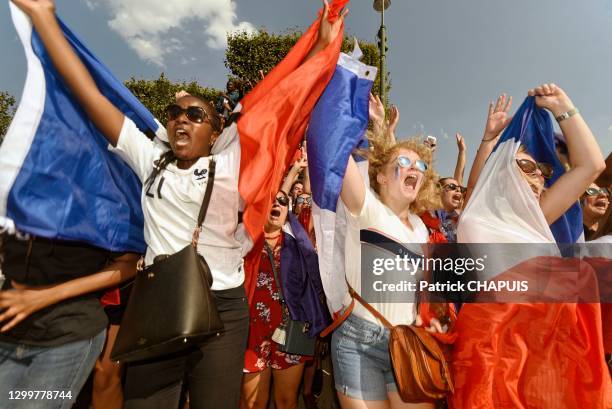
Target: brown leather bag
{"points": [[420, 367]]}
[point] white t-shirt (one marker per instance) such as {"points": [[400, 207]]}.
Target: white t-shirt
{"points": [[376, 216], [172, 203]]}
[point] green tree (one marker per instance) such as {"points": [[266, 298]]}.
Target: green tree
{"points": [[157, 94], [247, 54], [7, 110]]}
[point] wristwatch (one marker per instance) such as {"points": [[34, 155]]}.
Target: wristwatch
{"points": [[567, 114]]}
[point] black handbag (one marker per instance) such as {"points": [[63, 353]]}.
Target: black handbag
{"points": [[171, 306], [292, 336]]}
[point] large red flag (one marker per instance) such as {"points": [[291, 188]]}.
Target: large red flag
{"points": [[274, 118]]}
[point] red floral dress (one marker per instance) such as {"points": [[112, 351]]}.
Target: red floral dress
{"points": [[266, 315]]}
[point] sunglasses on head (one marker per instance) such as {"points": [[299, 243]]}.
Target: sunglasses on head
{"points": [[530, 167], [282, 200], [194, 113], [596, 192], [452, 186], [406, 162], [302, 200]]}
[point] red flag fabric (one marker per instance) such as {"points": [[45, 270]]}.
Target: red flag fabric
{"points": [[546, 356], [274, 117]]}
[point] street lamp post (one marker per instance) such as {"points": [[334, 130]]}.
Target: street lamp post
{"points": [[381, 6]]}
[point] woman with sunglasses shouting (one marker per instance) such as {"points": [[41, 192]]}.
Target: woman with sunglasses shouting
{"points": [[401, 186], [281, 273], [174, 182]]}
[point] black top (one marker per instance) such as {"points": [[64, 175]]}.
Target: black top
{"points": [[41, 261]]}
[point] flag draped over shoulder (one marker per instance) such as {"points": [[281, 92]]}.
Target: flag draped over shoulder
{"points": [[273, 120], [57, 177], [336, 129], [526, 355]]}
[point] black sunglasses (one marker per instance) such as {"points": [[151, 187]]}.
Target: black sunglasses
{"points": [[194, 113], [282, 200], [530, 167], [595, 192], [452, 186]]}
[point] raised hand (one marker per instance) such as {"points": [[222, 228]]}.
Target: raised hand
{"points": [[498, 117], [329, 31], [551, 97], [394, 117], [460, 142], [377, 111], [31, 7]]}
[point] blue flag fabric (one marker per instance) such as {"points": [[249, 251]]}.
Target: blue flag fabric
{"points": [[533, 128], [337, 126], [57, 177]]}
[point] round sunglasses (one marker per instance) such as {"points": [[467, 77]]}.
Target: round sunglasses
{"points": [[452, 186], [405, 162], [530, 167], [302, 200], [596, 192], [194, 113]]}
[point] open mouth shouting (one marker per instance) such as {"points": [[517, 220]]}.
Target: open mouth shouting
{"points": [[411, 181], [601, 204]]}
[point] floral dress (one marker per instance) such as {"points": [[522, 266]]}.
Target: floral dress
{"points": [[266, 315]]}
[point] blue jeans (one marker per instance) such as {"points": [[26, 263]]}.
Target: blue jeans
{"points": [[361, 360], [64, 368]]}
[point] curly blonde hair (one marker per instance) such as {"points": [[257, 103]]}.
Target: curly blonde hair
{"points": [[382, 149]]}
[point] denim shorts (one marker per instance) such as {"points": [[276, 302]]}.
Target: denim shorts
{"points": [[361, 360]]}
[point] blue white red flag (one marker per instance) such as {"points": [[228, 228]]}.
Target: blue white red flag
{"points": [[337, 127], [57, 177], [498, 217]]}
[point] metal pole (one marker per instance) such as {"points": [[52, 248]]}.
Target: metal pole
{"points": [[383, 50]]}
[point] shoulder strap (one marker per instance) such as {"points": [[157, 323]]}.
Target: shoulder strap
{"points": [[208, 192], [369, 308], [274, 270]]}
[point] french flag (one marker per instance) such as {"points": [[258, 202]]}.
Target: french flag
{"points": [[337, 127], [274, 117], [57, 177]]}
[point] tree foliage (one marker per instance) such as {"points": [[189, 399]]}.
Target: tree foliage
{"points": [[247, 54], [157, 94], [7, 110]]}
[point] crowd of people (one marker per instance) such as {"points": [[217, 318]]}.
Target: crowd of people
{"points": [[61, 303]]}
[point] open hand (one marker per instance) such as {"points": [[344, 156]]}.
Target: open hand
{"points": [[377, 111], [20, 302], [551, 97], [498, 117], [329, 31], [394, 116], [460, 142]]}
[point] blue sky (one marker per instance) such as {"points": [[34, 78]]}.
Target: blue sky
{"points": [[447, 58]]}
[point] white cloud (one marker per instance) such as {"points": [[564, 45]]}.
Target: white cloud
{"points": [[146, 24], [610, 128]]}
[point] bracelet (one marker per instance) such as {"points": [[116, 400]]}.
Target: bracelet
{"points": [[567, 114], [490, 139]]}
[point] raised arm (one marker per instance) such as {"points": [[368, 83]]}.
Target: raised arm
{"points": [[394, 116], [22, 301], [327, 31], [585, 156], [292, 175], [460, 166], [107, 118], [307, 188], [497, 120]]}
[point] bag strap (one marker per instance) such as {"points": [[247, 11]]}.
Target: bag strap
{"points": [[369, 308], [269, 251], [204, 207], [208, 192]]}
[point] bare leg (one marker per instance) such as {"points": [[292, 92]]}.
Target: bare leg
{"points": [[256, 390], [107, 392], [398, 403], [286, 386]]}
